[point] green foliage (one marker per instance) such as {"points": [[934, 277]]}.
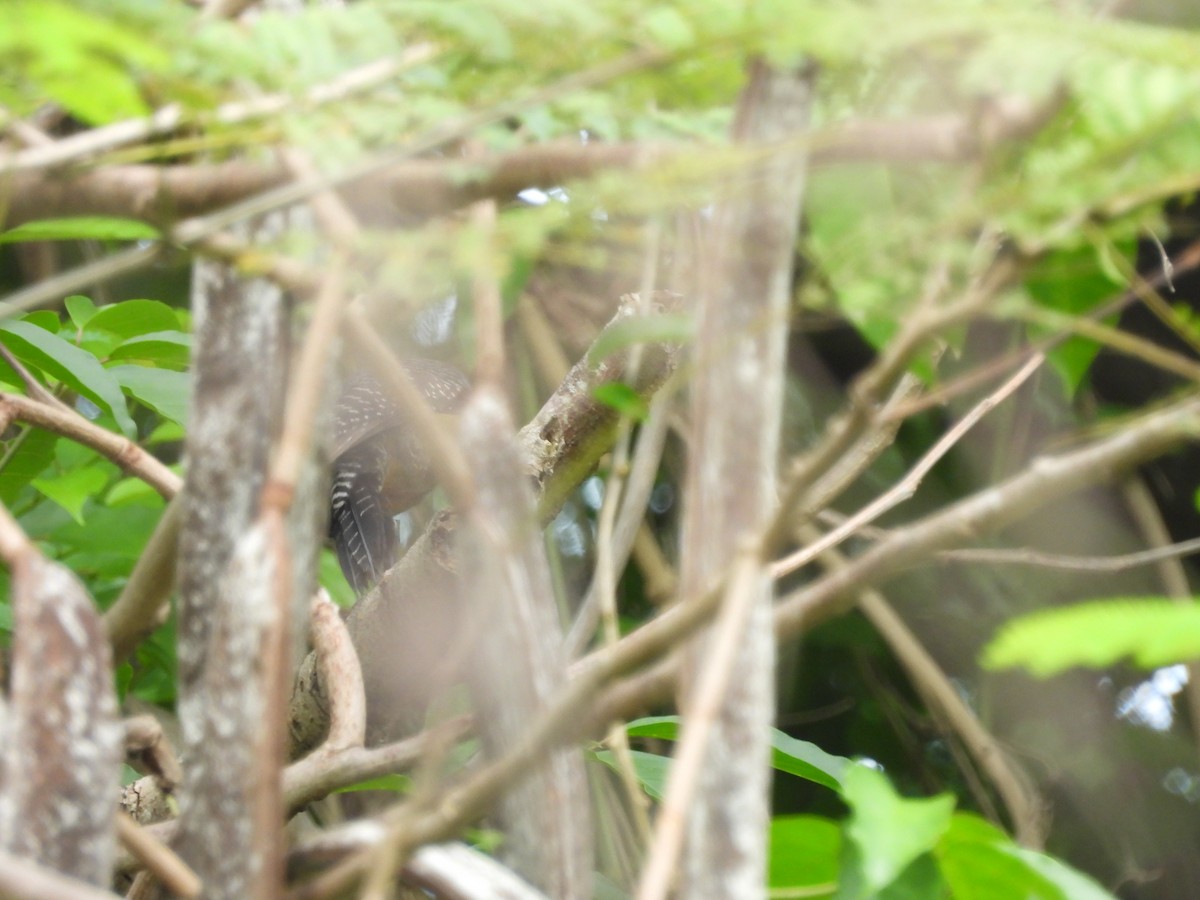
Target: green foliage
{"points": [[886, 831], [1153, 631], [889, 846], [623, 399], [81, 228], [88, 63], [788, 754]]}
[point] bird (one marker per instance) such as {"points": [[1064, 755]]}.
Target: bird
{"points": [[380, 467]]}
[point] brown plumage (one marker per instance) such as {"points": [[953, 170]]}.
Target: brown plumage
{"points": [[380, 467]]}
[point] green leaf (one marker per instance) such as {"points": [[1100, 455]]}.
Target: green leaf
{"points": [[888, 831], [1075, 281], [980, 862], [1073, 885], [80, 309], [808, 761], [398, 783], [73, 488], [80, 228], [135, 317], [163, 390], [1154, 631], [164, 349], [132, 490], [623, 399], [87, 63], [650, 769], [803, 856], [788, 754], [74, 367], [34, 455], [668, 328]]}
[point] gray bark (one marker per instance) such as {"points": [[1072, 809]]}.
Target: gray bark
{"points": [[62, 743], [730, 487]]}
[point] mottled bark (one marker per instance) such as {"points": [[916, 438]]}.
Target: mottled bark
{"points": [[226, 603], [61, 738], [519, 660], [730, 486]]}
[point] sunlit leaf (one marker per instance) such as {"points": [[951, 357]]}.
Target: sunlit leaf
{"points": [[131, 318], [803, 856], [623, 399], [1153, 631], [398, 783], [80, 309], [889, 831], [981, 862], [80, 228], [164, 349]]}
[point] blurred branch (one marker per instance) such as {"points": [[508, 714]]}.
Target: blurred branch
{"points": [[159, 859], [428, 187], [23, 879], [131, 458]]}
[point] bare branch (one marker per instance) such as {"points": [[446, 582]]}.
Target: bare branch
{"points": [[131, 458], [173, 873], [908, 485], [23, 879]]}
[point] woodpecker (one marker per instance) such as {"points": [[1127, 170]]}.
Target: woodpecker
{"points": [[380, 467]]}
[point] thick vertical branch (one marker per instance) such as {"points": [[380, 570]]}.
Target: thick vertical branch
{"points": [[737, 396], [520, 660], [226, 604], [61, 738]]}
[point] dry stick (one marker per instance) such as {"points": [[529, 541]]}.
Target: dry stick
{"points": [[872, 442], [430, 186], [22, 879], [1025, 556], [171, 118], [305, 782], [488, 305], [308, 382], [907, 486], [871, 388], [697, 725], [159, 859], [610, 557]]}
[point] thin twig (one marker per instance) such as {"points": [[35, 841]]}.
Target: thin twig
{"points": [[908, 485], [171, 118], [308, 382], [487, 303], [131, 458], [1027, 556]]}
